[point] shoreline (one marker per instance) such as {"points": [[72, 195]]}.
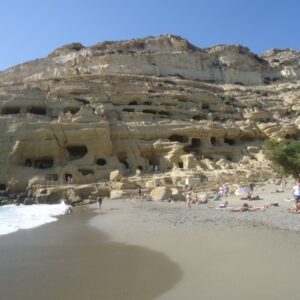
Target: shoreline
{"points": [[145, 250], [68, 259]]}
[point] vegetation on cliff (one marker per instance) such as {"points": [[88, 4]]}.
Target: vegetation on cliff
{"points": [[285, 157]]}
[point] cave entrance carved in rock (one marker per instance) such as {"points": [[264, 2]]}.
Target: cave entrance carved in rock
{"points": [[101, 162], [178, 138], [37, 110], [77, 152], [11, 110], [43, 163]]}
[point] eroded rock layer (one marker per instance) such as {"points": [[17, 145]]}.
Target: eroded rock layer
{"points": [[158, 105]]}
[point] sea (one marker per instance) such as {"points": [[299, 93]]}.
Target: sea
{"points": [[14, 218]]}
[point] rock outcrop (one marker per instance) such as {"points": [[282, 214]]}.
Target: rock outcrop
{"points": [[160, 105]]}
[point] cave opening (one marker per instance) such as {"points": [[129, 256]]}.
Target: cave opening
{"points": [[11, 110], [187, 149], [101, 162], [147, 103], [124, 163], [196, 143], [205, 106], [86, 172], [122, 157], [149, 111], [128, 109], [37, 110], [178, 138], [197, 118], [180, 165], [229, 141], [291, 136], [28, 162], [164, 113], [81, 100], [72, 110], [133, 103], [140, 168], [213, 141], [43, 163], [2, 187], [68, 177], [77, 152]]}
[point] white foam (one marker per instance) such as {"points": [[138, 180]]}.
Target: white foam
{"points": [[14, 218]]}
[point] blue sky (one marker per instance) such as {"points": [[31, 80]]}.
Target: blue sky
{"points": [[31, 29]]}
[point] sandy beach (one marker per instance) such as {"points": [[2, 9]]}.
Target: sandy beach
{"points": [[222, 255], [70, 260], [145, 250]]}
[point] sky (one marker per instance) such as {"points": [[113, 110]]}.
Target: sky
{"points": [[31, 29]]}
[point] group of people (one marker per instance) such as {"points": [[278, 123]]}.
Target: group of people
{"points": [[223, 190]]}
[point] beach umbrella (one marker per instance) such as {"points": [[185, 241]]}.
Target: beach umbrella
{"points": [[243, 190]]}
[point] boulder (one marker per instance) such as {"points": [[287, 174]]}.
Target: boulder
{"points": [[177, 195], [160, 193], [116, 175], [124, 185], [123, 194]]}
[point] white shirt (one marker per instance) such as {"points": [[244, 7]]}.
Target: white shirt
{"points": [[296, 189]]}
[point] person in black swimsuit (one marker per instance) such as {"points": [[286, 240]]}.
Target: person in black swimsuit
{"points": [[99, 200]]}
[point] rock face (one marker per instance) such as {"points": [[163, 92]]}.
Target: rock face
{"points": [[160, 193], [158, 105]]}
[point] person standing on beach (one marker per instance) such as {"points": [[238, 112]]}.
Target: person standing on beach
{"points": [[296, 191], [140, 192], [99, 200], [188, 197]]}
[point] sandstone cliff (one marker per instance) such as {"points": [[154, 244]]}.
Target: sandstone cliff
{"points": [[83, 112]]}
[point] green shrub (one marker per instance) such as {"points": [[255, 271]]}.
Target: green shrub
{"points": [[284, 156]]}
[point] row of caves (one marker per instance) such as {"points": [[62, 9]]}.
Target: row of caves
{"points": [[204, 106], [74, 153], [196, 142], [35, 110], [147, 111], [159, 112]]}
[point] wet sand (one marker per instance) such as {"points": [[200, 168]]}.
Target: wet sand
{"points": [[70, 260]]}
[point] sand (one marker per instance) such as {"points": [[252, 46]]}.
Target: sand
{"points": [[70, 260], [222, 255], [146, 250]]}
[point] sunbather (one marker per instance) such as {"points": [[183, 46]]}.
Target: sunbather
{"points": [[295, 209], [247, 207], [249, 197]]}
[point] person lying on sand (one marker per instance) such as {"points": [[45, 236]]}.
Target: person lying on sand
{"points": [[295, 209], [247, 207], [249, 197], [275, 204], [223, 205], [278, 191]]}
